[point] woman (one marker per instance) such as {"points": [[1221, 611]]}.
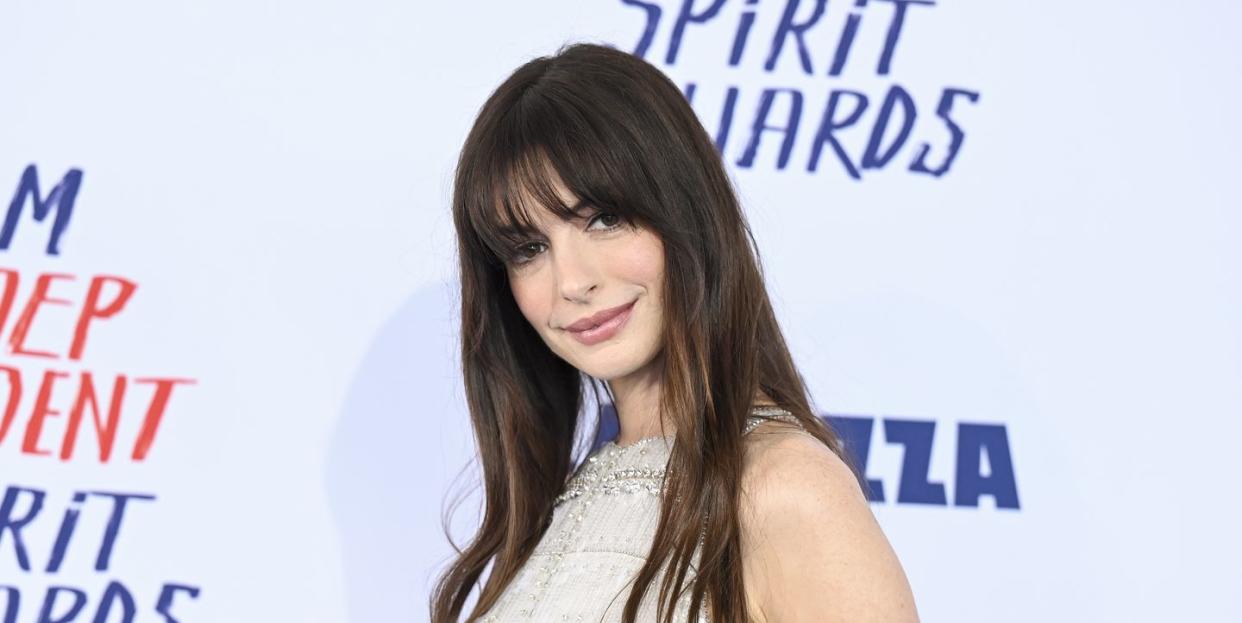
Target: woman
{"points": [[601, 243]]}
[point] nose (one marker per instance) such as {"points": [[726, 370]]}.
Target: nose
{"points": [[577, 275]]}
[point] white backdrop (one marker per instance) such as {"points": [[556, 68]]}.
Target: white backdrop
{"points": [[1043, 306]]}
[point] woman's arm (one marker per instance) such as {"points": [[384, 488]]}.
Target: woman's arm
{"points": [[812, 551]]}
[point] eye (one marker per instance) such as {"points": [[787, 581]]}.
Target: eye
{"points": [[607, 219], [527, 251], [600, 222]]}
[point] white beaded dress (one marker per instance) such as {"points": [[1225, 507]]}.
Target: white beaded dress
{"points": [[601, 531]]}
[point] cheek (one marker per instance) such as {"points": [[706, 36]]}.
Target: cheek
{"points": [[643, 262]]}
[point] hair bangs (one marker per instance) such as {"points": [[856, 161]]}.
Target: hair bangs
{"points": [[547, 147]]}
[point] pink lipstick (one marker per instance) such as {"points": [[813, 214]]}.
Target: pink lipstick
{"points": [[600, 326]]}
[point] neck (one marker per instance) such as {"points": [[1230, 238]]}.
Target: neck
{"points": [[636, 398]]}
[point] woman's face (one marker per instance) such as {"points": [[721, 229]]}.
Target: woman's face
{"points": [[592, 287]]}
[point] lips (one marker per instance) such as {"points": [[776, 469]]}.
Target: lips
{"points": [[598, 318], [601, 326]]}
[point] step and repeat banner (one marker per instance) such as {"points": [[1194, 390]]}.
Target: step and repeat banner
{"points": [[1002, 237]]}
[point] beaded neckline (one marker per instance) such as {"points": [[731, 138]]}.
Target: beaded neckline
{"points": [[611, 469]]}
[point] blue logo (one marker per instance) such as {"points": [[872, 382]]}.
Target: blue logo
{"points": [[971, 481], [60, 199]]}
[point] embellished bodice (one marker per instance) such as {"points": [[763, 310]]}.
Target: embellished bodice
{"points": [[601, 531]]}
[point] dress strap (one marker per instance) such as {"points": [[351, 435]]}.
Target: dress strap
{"points": [[759, 415]]}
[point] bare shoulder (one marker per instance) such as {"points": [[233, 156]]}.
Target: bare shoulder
{"points": [[811, 548], [783, 460]]}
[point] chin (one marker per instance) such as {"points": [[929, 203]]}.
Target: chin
{"points": [[616, 361], [609, 368]]}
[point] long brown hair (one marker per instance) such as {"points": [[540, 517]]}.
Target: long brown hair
{"points": [[621, 136]]}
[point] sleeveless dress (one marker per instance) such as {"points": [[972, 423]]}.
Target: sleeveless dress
{"points": [[601, 531]]}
